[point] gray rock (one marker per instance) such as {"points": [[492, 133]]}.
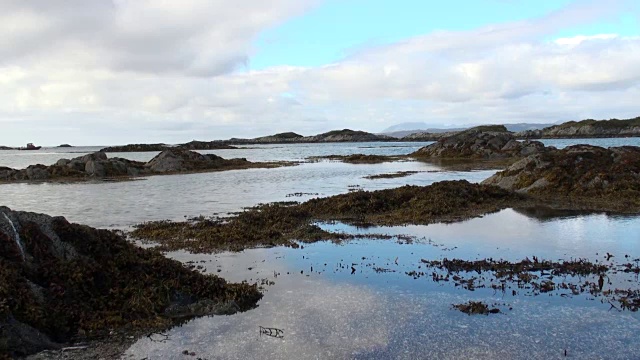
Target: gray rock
{"points": [[37, 172], [95, 168], [63, 162]]}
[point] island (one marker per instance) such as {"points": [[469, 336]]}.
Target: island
{"points": [[98, 166]]}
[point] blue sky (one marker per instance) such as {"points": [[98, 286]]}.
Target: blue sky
{"points": [[335, 28], [131, 71]]}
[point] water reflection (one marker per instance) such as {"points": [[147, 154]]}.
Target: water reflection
{"points": [[328, 310], [515, 234]]}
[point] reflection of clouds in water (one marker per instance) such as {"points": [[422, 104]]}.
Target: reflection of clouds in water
{"points": [[511, 234], [320, 320], [398, 320]]}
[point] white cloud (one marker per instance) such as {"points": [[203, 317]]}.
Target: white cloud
{"points": [[144, 71]]}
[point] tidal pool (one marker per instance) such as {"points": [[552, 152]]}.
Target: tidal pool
{"points": [[355, 300]]}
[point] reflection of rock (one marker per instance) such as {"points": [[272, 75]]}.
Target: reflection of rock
{"points": [[580, 170], [98, 165], [485, 142], [59, 280], [544, 213]]}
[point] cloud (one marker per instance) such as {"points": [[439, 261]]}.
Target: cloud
{"points": [[139, 70]]}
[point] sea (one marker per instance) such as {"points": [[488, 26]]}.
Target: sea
{"points": [[359, 299]]}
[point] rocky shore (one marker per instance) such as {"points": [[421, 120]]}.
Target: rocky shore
{"points": [[62, 283], [587, 129], [345, 135], [480, 143], [192, 145], [577, 172], [98, 166]]}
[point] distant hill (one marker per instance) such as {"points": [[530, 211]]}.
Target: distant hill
{"points": [[406, 132], [589, 128]]}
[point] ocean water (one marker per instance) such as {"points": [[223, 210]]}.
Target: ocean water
{"points": [[328, 310]]}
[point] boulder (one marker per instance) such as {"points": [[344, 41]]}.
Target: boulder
{"points": [[37, 172]]}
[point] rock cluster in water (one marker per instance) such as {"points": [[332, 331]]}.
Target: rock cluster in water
{"points": [[576, 171], [98, 165], [345, 135], [192, 145], [61, 282], [484, 142]]}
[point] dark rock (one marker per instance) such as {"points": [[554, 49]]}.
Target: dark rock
{"points": [[580, 170], [37, 172], [59, 279], [485, 142]]}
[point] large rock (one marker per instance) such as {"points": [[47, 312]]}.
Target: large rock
{"points": [[60, 281], [485, 142], [580, 170], [178, 160]]}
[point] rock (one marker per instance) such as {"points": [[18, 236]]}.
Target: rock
{"points": [[100, 155], [136, 148], [37, 172], [205, 145], [60, 279], [176, 160], [97, 165], [485, 142], [63, 162], [64, 146], [587, 129], [580, 171]]}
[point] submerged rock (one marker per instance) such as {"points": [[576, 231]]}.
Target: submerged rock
{"points": [[580, 171], [484, 142], [74, 281]]}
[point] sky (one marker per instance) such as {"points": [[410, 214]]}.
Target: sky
{"points": [[103, 72]]}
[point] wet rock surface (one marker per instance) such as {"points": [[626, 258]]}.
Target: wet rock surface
{"points": [[580, 171], [98, 166], [484, 142], [63, 282]]}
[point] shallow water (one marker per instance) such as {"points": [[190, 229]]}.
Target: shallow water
{"points": [[331, 303], [328, 312]]}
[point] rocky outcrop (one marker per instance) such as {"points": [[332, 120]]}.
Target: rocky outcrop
{"points": [[192, 145], [98, 166], [177, 160], [345, 135], [587, 129], [6, 148], [578, 171], [61, 282], [205, 145], [428, 136], [64, 146], [492, 142], [136, 148]]}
